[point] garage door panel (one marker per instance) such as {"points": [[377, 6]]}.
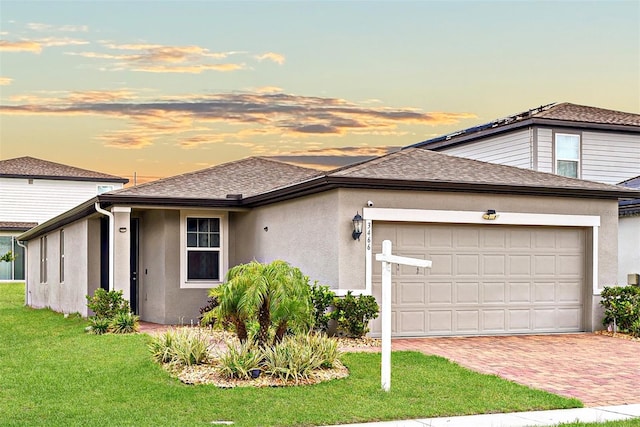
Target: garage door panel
{"points": [[493, 321], [440, 293], [519, 265], [494, 265], [467, 265], [440, 321], [467, 293], [467, 320], [494, 292], [411, 293], [485, 279]]}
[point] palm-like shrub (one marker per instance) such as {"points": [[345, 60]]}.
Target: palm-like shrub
{"points": [[276, 295]]}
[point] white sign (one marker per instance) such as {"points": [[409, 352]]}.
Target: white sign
{"points": [[387, 259]]}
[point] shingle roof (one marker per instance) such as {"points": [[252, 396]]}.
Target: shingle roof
{"points": [[16, 226], [415, 164], [564, 114], [247, 177], [583, 113], [30, 167]]}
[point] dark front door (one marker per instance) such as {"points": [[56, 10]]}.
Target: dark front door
{"points": [[133, 265], [104, 253]]}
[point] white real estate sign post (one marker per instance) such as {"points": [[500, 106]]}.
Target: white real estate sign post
{"points": [[387, 259]]}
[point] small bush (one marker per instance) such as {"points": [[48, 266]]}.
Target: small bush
{"points": [[635, 328], [326, 348], [239, 360], [622, 305], [321, 299], [183, 347], [107, 304], [124, 323], [98, 325], [354, 313]]}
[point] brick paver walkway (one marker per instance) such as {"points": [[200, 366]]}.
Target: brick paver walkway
{"points": [[598, 370]]}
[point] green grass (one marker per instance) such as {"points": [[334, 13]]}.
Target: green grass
{"points": [[626, 423], [52, 373]]}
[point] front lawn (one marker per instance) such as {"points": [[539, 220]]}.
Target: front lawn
{"points": [[52, 373]]}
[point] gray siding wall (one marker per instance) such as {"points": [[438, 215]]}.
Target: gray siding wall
{"points": [[68, 296], [610, 157], [545, 150], [513, 149]]}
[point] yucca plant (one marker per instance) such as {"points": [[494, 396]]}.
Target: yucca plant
{"points": [[124, 323]]}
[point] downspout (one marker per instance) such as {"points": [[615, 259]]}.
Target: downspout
{"points": [[112, 232], [27, 301]]}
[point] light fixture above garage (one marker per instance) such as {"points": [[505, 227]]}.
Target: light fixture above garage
{"points": [[357, 226], [490, 215]]}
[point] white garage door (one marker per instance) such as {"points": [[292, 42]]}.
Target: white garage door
{"points": [[485, 279]]}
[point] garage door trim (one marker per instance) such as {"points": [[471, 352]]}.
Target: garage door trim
{"points": [[475, 217]]}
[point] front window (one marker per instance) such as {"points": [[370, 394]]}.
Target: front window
{"points": [[568, 155], [203, 244], [104, 188]]}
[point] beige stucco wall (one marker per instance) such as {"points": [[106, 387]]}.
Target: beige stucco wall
{"points": [[629, 248], [68, 296], [161, 300], [306, 232]]}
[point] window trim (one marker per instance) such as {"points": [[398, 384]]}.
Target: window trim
{"points": [[62, 255], [224, 248], [555, 153]]}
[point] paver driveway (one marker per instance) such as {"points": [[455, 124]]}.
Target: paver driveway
{"points": [[598, 370]]}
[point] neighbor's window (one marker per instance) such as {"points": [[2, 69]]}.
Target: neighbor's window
{"points": [[104, 188], [568, 155], [203, 241], [43, 259], [61, 256]]}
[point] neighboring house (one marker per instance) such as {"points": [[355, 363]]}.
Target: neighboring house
{"points": [[566, 139], [537, 265], [629, 240], [33, 191]]}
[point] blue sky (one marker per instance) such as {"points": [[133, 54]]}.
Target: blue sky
{"points": [[164, 87]]}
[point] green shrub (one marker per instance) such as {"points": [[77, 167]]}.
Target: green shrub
{"points": [[98, 325], [635, 328], [354, 313], [621, 305], [182, 347], [325, 347], [321, 299], [292, 359], [124, 323], [107, 304], [239, 360]]}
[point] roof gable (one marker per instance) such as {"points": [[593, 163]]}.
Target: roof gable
{"points": [[30, 167]]}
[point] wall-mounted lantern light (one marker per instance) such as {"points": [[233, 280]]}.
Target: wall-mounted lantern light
{"points": [[357, 227], [490, 215]]}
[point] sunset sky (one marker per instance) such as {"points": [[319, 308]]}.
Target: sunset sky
{"points": [[164, 87]]}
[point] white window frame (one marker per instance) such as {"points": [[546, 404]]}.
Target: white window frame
{"points": [[557, 158], [224, 248], [103, 188]]}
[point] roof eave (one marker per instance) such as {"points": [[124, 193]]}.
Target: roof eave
{"points": [[534, 121], [66, 178], [118, 199]]}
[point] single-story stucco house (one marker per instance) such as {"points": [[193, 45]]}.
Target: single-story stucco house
{"points": [[535, 266]]}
